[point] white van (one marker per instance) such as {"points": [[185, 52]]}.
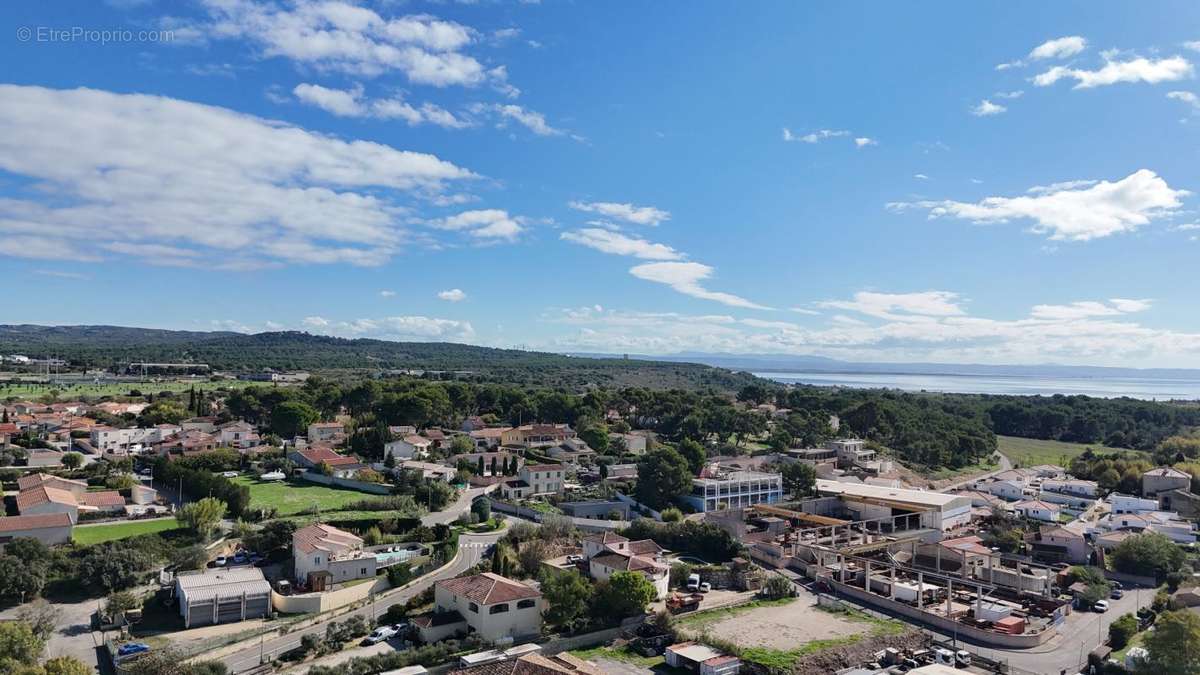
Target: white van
{"points": [[693, 582], [943, 656]]}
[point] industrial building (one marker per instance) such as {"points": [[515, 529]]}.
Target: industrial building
{"points": [[217, 596], [938, 510]]}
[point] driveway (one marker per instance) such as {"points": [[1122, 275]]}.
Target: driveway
{"points": [[472, 549]]}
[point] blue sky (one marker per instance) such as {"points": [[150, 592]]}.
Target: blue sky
{"points": [[968, 183]]}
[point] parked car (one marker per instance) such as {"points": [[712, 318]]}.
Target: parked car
{"points": [[221, 561], [574, 559], [1100, 606], [381, 634], [705, 587], [962, 658], [131, 648], [1117, 594], [239, 558]]}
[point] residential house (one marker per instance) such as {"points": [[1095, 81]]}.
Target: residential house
{"points": [[1055, 544], [492, 607], [702, 659], [534, 480], [187, 443], [203, 424], [472, 423], [313, 457], [572, 450], [499, 459], [1037, 509], [1011, 490], [42, 500], [1164, 479], [1166, 523], [222, 595], [537, 435], [240, 435], [106, 501], [323, 555], [437, 437], [49, 528], [488, 438], [622, 472], [1072, 486], [608, 553], [42, 458], [562, 663], [1120, 503], [76, 487], [326, 432], [430, 470], [411, 446]]}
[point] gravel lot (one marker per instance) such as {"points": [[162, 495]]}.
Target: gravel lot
{"points": [[783, 627]]}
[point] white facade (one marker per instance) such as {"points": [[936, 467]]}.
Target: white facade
{"points": [[409, 447], [1077, 488], [735, 489], [1038, 510], [494, 608], [543, 478], [1007, 489], [1129, 504]]}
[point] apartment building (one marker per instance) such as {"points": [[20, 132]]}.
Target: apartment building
{"points": [[734, 489]]}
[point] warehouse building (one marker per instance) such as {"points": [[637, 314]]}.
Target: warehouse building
{"points": [[217, 596]]}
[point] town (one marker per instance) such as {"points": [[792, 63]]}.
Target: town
{"points": [[290, 524]]}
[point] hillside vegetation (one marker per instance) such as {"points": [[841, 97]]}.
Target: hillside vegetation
{"points": [[111, 346]]}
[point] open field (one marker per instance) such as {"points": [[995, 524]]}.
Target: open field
{"points": [[293, 497], [75, 391], [776, 634], [95, 534], [1031, 451]]}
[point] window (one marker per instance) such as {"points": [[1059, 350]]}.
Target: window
{"points": [[498, 609], [525, 604], [473, 607], [362, 571]]}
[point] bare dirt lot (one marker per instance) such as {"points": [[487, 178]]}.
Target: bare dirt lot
{"points": [[779, 627]]}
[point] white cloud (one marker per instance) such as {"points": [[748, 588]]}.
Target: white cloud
{"points": [[1139, 69], [1058, 48], [1186, 97], [1067, 211], [351, 103], [61, 274], [1089, 308], [394, 328], [134, 171], [387, 294], [900, 306], [814, 136], [863, 141], [530, 119], [452, 295], [482, 224], [987, 108], [1067, 335], [638, 215], [1010, 94], [616, 243], [687, 278], [1193, 45], [335, 35], [920, 176]]}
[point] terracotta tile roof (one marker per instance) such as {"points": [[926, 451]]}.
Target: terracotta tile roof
{"points": [[635, 563], [316, 455], [34, 522], [644, 547], [489, 589], [35, 479], [545, 467], [105, 498], [321, 537], [42, 495], [534, 664]]}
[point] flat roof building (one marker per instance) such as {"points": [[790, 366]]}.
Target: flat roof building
{"points": [[940, 511], [716, 490], [210, 597]]}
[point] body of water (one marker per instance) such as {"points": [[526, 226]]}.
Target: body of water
{"points": [[1133, 387]]}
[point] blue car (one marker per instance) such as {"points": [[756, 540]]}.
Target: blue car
{"points": [[132, 648]]}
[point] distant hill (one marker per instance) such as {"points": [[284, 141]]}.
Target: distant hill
{"points": [[107, 346]]}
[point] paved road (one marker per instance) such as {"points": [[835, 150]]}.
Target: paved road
{"points": [[472, 548], [1005, 465], [453, 511]]}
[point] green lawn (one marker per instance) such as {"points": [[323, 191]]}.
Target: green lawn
{"points": [[1032, 452], [95, 534], [292, 497]]}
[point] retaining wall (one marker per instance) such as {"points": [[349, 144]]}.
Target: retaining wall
{"points": [[350, 483], [312, 603]]}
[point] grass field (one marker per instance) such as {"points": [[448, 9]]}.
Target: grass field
{"points": [[291, 498], [1031, 452], [95, 534], [73, 391]]}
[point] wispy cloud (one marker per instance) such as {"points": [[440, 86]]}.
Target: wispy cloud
{"points": [[617, 243], [629, 213], [1141, 69], [688, 278]]}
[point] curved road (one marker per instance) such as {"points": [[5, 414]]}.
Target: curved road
{"points": [[471, 550]]}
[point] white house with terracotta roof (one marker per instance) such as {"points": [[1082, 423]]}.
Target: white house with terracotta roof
{"points": [[31, 480], [240, 435], [494, 608], [411, 446], [1038, 510], [608, 553], [323, 555], [48, 528], [314, 456], [326, 432], [1164, 479], [42, 500]]}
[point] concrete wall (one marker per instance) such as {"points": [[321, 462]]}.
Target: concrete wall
{"points": [[323, 602], [585, 524], [361, 486]]}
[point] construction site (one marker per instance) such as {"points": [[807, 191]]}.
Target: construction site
{"points": [[909, 553]]}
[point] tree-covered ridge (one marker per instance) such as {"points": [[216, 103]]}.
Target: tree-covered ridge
{"points": [[112, 346]]}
